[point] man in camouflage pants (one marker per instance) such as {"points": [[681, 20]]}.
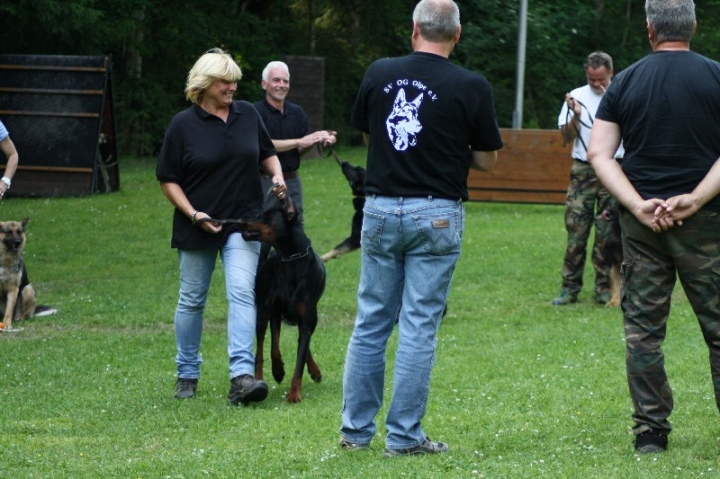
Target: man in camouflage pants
{"points": [[667, 107], [586, 196]]}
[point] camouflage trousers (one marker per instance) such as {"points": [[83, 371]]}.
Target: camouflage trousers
{"points": [[586, 199], [651, 263]]}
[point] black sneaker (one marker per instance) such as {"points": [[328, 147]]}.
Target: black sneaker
{"points": [[185, 388], [245, 389], [427, 447], [650, 441]]}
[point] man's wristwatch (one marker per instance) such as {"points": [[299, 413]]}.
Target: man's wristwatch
{"points": [[7, 181]]}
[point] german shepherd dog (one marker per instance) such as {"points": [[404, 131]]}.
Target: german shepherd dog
{"points": [[17, 296], [356, 177], [288, 286], [613, 254]]}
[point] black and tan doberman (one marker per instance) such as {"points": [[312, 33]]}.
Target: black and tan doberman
{"points": [[288, 286]]}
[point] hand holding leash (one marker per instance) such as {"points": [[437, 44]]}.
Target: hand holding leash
{"points": [[320, 137], [328, 137], [576, 122], [203, 221], [573, 105], [280, 190]]}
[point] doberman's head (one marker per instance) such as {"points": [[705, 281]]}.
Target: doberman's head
{"points": [[273, 226]]}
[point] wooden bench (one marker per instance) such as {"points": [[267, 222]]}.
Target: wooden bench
{"points": [[532, 167]]}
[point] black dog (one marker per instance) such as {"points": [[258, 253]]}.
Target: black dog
{"points": [[356, 177], [613, 253], [288, 286]]}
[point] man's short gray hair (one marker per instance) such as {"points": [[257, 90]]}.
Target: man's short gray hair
{"points": [[274, 66], [599, 59], [673, 20], [437, 20]]}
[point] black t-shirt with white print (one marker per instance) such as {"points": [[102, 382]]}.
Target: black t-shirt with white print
{"points": [[424, 116]]}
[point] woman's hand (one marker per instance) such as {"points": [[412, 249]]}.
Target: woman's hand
{"points": [[209, 226], [280, 191]]}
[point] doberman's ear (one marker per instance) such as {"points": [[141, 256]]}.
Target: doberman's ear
{"points": [[289, 210]]}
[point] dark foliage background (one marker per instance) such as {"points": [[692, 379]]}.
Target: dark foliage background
{"points": [[155, 42]]}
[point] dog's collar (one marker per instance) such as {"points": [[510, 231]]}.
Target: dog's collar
{"points": [[296, 255]]}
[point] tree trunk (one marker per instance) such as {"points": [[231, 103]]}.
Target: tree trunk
{"points": [[311, 27]]}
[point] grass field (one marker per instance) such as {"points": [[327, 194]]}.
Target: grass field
{"points": [[521, 389]]}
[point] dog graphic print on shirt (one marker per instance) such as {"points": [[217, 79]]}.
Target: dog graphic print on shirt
{"points": [[403, 124]]}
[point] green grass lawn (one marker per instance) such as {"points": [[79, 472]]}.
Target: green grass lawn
{"points": [[520, 389]]}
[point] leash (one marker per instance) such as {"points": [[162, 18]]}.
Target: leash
{"points": [[225, 221], [222, 221], [330, 152], [566, 140]]}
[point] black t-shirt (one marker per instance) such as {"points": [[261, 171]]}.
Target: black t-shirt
{"points": [[667, 106], [217, 166], [288, 124], [424, 116]]}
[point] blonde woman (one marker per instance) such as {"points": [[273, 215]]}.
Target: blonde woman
{"points": [[209, 167]]}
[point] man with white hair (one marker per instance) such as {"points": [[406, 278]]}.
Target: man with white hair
{"points": [[287, 124]]}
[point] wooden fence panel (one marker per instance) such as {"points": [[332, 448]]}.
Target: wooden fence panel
{"points": [[532, 167], [59, 112]]}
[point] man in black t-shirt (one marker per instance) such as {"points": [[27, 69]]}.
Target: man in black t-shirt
{"points": [[287, 124], [666, 109], [426, 122]]}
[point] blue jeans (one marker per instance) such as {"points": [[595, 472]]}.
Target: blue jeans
{"points": [[409, 250], [196, 268]]}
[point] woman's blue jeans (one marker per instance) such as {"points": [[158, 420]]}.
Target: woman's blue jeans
{"points": [[240, 260], [409, 250]]}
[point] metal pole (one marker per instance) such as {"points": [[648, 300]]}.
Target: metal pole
{"points": [[520, 83]]}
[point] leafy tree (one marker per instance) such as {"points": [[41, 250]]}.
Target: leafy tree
{"points": [[153, 44]]}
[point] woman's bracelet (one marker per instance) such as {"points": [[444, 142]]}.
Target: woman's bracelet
{"points": [[192, 218]]}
